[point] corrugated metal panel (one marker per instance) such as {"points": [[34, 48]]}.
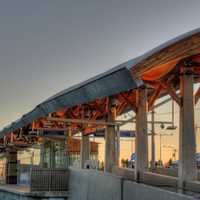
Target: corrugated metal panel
{"points": [[112, 82], [103, 86]]}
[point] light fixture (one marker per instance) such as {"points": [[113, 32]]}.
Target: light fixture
{"points": [[87, 113], [162, 126], [171, 128], [114, 102]]}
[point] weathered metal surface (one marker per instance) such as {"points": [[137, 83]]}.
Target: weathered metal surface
{"points": [[112, 82]]}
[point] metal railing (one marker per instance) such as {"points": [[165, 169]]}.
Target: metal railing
{"points": [[43, 179]]}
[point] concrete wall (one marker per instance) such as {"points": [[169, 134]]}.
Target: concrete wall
{"points": [[126, 173], [171, 172], [158, 180], [135, 191], [94, 185], [167, 171]]}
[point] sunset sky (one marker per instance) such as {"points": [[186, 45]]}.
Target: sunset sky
{"points": [[48, 45]]}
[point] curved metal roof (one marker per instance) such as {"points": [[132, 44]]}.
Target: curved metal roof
{"points": [[114, 81]]}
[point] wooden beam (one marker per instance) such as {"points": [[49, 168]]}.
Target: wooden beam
{"points": [[178, 50], [154, 96], [100, 106], [141, 141], [52, 129], [121, 108], [82, 121], [171, 91], [131, 104], [197, 96]]}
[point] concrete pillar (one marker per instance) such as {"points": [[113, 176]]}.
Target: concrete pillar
{"points": [[67, 150], [52, 154], [85, 149], [11, 169], [187, 143], [141, 142], [111, 140], [117, 145], [42, 154], [152, 140]]}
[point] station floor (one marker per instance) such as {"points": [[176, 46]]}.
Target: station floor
{"points": [[25, 191]]}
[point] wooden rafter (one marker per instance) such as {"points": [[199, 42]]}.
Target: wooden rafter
{"points": [[128, 101], [121, 107], [83, 121], [172, 92], [154, 96], [98, 106], [197, 96], [106, 105]]}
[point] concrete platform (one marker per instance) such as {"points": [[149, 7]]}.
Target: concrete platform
{"points": [[95, 185], [15, 192]]}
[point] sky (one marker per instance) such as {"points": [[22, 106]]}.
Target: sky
{"points": [[47, 45]]}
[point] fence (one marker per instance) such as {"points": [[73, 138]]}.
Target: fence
{"points": [[43, 179]]}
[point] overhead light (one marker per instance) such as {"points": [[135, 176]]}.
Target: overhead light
{"points": [[34, 133], [87, 113], [114, 102], [171, 128], [162, 126]]}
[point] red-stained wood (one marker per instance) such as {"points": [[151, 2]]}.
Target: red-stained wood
{"points": [[154, 96], [129, 102], [197, 96], [172, 92]]}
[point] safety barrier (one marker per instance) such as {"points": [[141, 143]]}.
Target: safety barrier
{"points": [[43, 179], [94, 185]]}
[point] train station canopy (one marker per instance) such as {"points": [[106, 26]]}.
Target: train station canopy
{"points": [[151, 67]]}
